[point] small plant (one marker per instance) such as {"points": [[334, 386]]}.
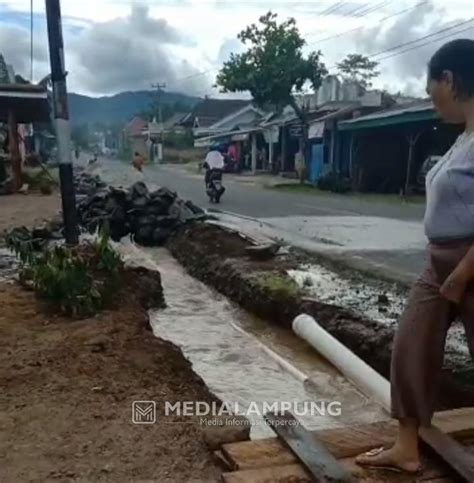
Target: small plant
{"points": [[77, 281]]}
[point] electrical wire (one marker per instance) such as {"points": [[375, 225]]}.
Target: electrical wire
{"points": [[451, 34], [332, 8], [372, 9], [347, 32], [433, 34]]}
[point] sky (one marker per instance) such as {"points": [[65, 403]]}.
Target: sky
{"points": [[117, 45]]}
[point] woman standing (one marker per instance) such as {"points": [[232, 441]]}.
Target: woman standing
{"points": [[418, 351]]}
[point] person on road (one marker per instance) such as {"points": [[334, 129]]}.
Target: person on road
{"points": [[138, 161], [214, 161], [418, 350]]}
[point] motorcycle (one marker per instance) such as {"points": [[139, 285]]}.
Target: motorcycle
{"points": [[214, 188]]}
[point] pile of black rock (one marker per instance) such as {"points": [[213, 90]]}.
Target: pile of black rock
{"points": [[86, 184], [149, 217]]}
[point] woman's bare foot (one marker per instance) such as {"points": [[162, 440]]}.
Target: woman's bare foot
{"points": [[391, 459]]}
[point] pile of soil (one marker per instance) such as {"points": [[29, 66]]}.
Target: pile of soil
{"points": [[67, 393], [218, 257]]}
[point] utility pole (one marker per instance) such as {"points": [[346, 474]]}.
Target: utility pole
{"points": [[159, 89], [61, 116]]}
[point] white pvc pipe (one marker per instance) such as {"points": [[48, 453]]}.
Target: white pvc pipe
{"points": [[370, 382]]}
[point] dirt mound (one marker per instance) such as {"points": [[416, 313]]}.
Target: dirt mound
{"points": [[69, 387]]}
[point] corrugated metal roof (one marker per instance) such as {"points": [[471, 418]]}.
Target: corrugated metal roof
{"points": [[410, 108]]}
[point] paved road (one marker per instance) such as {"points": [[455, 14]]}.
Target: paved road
{"points": [[249, 199], [381, 237]]}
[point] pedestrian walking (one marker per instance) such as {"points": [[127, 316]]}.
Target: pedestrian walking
{"points": [[418, 350], [138, 161]]}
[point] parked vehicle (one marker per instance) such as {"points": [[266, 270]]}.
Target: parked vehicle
{"points": [[214, 187], [428, 163]]}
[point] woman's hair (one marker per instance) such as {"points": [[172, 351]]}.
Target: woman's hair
{"points": [[456, 57]]}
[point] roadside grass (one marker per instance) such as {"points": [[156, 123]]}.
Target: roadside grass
{"points": [[311, 190], [278, 283]]}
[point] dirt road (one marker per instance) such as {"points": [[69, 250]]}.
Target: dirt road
{"points": [[18, 209]]}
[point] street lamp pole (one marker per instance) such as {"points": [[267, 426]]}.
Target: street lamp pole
{"points": [[61, 116]]}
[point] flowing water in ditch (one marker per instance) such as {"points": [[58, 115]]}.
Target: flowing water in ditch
{"points": [[224, 343]]}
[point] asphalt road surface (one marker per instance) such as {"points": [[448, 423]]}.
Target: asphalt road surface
{"points": [[251, 199], [387, 235]]}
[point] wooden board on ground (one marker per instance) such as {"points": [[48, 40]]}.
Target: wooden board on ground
{"points": [[457, 456], [293, 473], [312, 453], [342, 442]]}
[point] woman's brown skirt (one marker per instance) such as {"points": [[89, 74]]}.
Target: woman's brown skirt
{"points": [[418, 350]]}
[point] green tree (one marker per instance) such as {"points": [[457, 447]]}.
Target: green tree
{"points": [[274, 68], [358, 68]]}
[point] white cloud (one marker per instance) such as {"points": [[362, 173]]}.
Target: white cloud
{"points": [[109, 48]]}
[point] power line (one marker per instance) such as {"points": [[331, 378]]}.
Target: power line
{"points": [[443, 37], [373, 8], [192, 76], [396, 47], [347, 32], [361, 15], [414, 43], [332, 8], [356, 10]]}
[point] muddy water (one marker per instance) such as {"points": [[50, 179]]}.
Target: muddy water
{"points": [[224, 344]]}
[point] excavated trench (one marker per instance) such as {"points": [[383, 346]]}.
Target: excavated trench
{"points": [[229, 350], [359, 313]]}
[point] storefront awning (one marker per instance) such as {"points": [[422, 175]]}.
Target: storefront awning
{"points": [[316, 130]]}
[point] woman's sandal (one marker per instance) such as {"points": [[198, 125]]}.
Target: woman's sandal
{"points": [[386, 467]]}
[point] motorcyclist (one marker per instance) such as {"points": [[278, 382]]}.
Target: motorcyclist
{"points": [[214, 162]]}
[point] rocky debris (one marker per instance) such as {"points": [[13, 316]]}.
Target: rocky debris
{"points": [[150, 217], [86, 184]]}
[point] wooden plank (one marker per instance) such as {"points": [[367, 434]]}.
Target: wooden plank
{"points": [[343, 442], [293, 473], [458, 457], [432, 470], [222, 461], [313, 454], [258, 453], [458, 423]]}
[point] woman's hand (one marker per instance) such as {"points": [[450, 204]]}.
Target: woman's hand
{"points": [[454, 286]]}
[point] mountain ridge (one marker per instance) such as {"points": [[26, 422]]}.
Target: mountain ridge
{"points": [[120, 107]]}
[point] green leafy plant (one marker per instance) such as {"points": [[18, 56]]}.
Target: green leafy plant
{"points": [[77, 281]]}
